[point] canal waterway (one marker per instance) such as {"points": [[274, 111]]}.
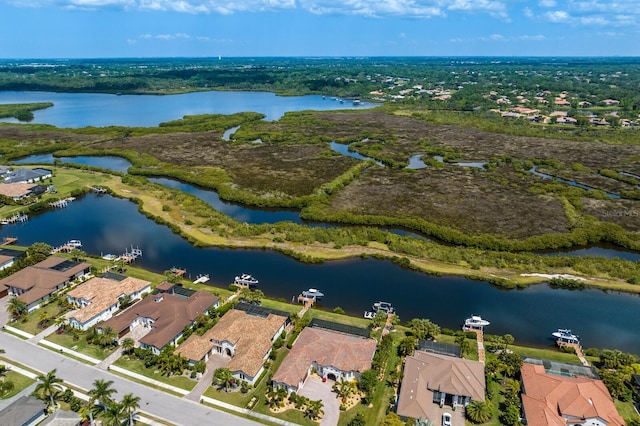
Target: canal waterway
{"points": [[111, 225], [109, 162], [97, 109]]}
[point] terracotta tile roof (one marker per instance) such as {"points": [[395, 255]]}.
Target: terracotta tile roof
{"points": [[327, 348], [15, 190], [101, 293], [40, 279], [546, 398], [171, 314], [251, 335], [425, 372]]}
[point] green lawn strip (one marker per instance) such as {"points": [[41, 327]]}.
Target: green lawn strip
{"points": [[550, 354], [81, 345], [339, 318], [145, 383], [67, 354], [626, 410], [246, 416], [495, 390], [138, 367], [473, 345], [19, 381]]}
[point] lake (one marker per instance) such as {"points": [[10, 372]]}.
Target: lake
{"points": [[110, 225], [97, 109]]}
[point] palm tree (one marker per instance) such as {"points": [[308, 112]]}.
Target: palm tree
{"points": [[16, 308], [224, 378], [344, 389], [101, 392], [314, 409], [479, 411], [127, 345], [130, 403], [465, 346], [113, 414], [49, 386]]}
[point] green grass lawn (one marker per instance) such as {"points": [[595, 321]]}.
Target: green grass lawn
{"points": [[30, 323], [137, 366], [20, 383], [552, 354], [81, 345], [626, 410]]}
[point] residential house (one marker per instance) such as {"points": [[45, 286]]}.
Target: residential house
{"points": [[24, 411], [335, 353], [99, 298], [8, 257], [245, 335], [557, 399], [35, 284], [27, 175], [166, 314], [63, 418], [19, 191], [562, 102], [433, 380], [610, 102]]}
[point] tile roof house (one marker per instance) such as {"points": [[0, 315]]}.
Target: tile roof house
{"points": [[555, 400], [246, 338], [24, 411], [8, 257], [27, 175], [166, 313], [431, 380], [332, 354], [36, 283], [17, 191], [98, 298]]}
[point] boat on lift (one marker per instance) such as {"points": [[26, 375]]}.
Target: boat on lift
{"points": [[476, 321], [385, 307], [313, 293], [566, 336], [246, 280]]}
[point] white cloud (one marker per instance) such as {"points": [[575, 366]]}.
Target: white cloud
{"points": [[617, 13], [547, 3], [557, 16]]}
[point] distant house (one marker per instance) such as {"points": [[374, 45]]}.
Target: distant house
{"points": [[35, 284], [24, 411], [166, 313], [432, 380], [550, 399], [27, 175], [333, 354], [19, 191], [244, 336], [610, 102], [566, 120], [97, 299], [562, 102]]}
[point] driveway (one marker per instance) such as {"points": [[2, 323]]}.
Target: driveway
{"points": [[314, 389]]}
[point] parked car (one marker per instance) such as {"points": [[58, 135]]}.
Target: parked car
{"points": [[446, 419]]}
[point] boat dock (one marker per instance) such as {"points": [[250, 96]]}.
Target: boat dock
{"points": [[60, 204], [577, 347], [16, 218], [99, 190], [130, 256], [202, 279], [9, 240], [178, 271]]}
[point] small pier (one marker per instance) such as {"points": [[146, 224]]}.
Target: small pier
{"points": [[16, 218], [99, 190], [130, 256], [60, 204], [480, 341], [202, 279], [577, 347], [7, 241], [179, 272]]}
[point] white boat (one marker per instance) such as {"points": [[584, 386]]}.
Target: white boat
{"points": [[476, 321], [74, 243], [313, 292], [383, 306], [369, 314], [246, 280], [564, 335], [109, 256]]}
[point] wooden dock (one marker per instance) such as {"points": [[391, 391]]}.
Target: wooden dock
{"points": [[20, 217], [578, 350], [9, 240], [202, 279], [480, 341]]}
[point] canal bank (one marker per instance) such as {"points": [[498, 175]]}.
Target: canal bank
{"points": [[109, 225]]}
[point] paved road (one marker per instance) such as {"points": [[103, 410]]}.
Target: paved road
{"points": [[173, 409]]}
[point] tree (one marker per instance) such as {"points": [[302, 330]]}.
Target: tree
{"points": [[338, 310], [464, 344], [344, 389], [127, 345], [508, 339], [113, 414], [392, 419], [224, 378], [479, 411], [423, 328], [16, 308], [130, 403], [368, 381], [106, 337], [314, 409], [49, 387], [357, 420], [251, 296], [407, 345], [38, 252], [101, 393], [379, 319], [512, 363]]}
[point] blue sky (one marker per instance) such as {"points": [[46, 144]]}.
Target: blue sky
{"points": [[204, 28]]}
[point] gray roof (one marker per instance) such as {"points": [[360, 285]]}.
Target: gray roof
{"points": [[25, 175], [63, 418], [22, 411]]}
